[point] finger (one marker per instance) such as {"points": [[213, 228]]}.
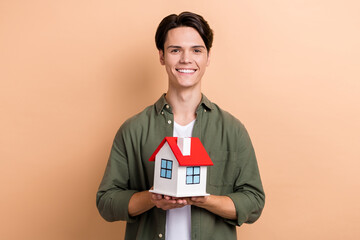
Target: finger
{"points": [[156, 196], [182, 201], [153, 196]]}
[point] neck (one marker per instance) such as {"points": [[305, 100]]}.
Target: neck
{"points": [[184, 104]]}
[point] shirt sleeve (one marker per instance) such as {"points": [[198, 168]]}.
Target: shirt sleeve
{"points": [[113, 195], [248, 195]]}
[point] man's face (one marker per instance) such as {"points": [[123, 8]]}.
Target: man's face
{"points": [[185, 57]]}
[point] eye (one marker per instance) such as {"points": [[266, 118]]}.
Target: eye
{"points": [[174, 50], [197, 50]]}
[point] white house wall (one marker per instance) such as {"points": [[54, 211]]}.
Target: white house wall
{"points": [[164, 185], [191, 189]]}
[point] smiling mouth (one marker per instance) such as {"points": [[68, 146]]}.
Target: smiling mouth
{"points": [[182, 70]]}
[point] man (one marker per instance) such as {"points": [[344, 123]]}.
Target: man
{"points": [[236, 193]]}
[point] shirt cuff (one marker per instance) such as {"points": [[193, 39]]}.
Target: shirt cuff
{"points": [[120, 202], [243, 206]]}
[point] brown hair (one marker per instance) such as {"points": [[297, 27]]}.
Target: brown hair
{"points": [[184, 19]]}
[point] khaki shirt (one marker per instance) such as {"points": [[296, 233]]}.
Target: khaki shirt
{"points": [[235, 172]]}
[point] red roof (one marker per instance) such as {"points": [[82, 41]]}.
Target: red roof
{"points": [[198, 155]]}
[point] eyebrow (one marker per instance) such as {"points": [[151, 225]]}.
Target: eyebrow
{"points": [[196, 46]]}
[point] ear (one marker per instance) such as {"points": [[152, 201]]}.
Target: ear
{"points": [[162, 57], [208, 58]]}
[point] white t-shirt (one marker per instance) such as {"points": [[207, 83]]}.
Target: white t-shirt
{"points": [[178, 220]]}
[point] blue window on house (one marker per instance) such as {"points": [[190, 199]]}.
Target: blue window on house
{"points": [[192, 175], [166, 168]]}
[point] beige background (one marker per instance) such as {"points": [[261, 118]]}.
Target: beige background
{"points": [[72, 71]]}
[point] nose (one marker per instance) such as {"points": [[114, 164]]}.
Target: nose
{"points": [[185, 57]]}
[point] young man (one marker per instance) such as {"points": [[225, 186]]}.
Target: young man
{"points": [[236, 193]]}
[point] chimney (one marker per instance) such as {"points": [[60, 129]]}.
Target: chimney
{"points": [[184, 144]]}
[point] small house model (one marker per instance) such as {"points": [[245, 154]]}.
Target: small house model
{"points": [[180, 167]]}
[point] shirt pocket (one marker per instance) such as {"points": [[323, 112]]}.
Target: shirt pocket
{"points": [[224, 171]]}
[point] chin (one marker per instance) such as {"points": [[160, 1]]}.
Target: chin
{"points": [[188, 85]]}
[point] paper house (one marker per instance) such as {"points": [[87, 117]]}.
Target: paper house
{"points": [[180, 167]]}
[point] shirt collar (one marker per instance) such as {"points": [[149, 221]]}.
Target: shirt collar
{"points": [[162, 103], [206, 102]]}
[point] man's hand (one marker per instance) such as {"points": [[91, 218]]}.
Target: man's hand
{"points": [[198, 201], [143, 201], [167, 202]]}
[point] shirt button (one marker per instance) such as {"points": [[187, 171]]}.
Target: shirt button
{"points": [[204, 110], [160, 235], [169, 122], [162, 112], [167, 106]]}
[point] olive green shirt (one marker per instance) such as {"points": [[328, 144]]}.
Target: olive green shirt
{"points": [[235, 172]]}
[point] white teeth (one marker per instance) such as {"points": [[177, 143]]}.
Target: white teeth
{"points": [[186, 70]]}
